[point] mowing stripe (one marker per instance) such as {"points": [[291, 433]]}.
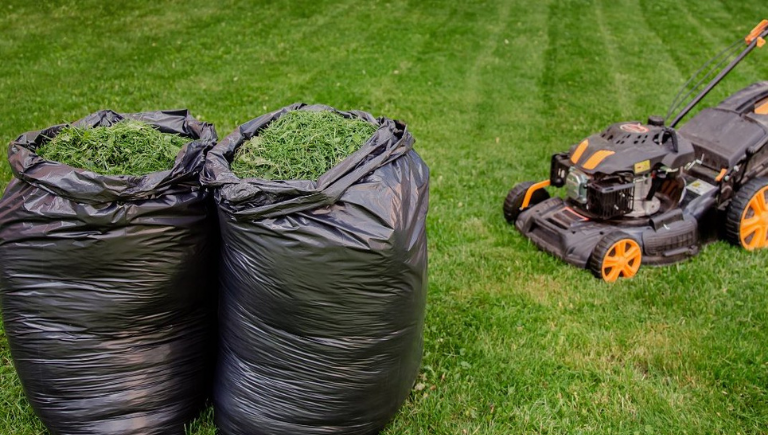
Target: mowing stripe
{"points": [[621, 93], [579, 91], [647, 74]]}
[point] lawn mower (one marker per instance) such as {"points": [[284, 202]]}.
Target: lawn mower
{"points": [[651, 193]]}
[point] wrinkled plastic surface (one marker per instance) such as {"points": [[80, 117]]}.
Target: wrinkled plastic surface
{"points": [[107, 289], [323, 288]]}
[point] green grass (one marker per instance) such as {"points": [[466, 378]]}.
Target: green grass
{"points": [[516, 341], [126, 148], [300, 145]]}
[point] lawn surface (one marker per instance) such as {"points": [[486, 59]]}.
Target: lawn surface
{"points": [[516, 341]]}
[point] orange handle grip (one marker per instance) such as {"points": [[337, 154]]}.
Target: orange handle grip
{"points": [[757, 33]]}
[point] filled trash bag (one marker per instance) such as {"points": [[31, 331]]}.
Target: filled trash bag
{"points": [[107, 285], [322, 288]]}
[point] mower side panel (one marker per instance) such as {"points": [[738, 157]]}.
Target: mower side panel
{"points": [[671, 242], [703, 208]]}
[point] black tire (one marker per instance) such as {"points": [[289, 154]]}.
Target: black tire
{"points": [[608, 247], [741, 208], [514, 201]]}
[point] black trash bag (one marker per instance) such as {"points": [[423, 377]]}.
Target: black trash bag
{"points": [[108, 298], [322, 288]]}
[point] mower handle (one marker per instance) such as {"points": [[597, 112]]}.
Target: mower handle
{"points": [[755, 39]]}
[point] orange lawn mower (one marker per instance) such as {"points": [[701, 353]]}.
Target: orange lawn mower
{"points": [[651, 193]]}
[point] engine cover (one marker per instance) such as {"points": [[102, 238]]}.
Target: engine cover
{"points": [[631, 147]]}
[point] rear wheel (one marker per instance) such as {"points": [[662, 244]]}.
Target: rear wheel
{"points": [[746, 222], [617, 255], [514, 202]]}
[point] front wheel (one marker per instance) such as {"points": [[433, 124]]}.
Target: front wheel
{"points": [[513, 204], [746, 222], [617, 255]]}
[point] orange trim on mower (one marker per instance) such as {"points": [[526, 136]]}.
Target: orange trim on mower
{"points": [[579, 151], [756, 33], [596, 158], [529, 193]]}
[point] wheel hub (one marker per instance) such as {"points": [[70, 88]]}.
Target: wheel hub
{"points": [[754, 222], [622, 260]]}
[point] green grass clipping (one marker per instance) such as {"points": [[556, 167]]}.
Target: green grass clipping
{"points": [[301, 145], [127, 148]]}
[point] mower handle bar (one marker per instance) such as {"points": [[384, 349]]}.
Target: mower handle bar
{"points": [[755, 39]]}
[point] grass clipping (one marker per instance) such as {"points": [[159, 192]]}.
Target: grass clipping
{"points": [[301, 145], [127, 148]]}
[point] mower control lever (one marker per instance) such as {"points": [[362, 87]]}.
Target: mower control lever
{"points": [[672, 134]]}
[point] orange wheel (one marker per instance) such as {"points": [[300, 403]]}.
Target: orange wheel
{"points": [[747, 219], [617, 255]]}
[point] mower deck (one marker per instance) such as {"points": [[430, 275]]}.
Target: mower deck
{"points": [[557, 229]]}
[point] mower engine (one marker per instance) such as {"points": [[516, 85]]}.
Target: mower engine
{"points": [[620, 171], [612, 196]]}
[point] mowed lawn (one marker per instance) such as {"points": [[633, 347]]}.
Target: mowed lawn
{"points": [[516, 341]]}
